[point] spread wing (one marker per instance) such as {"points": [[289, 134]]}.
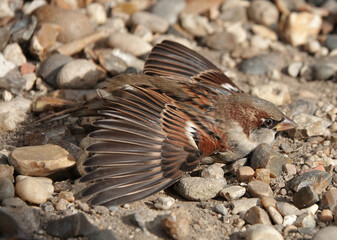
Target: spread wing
{"points": [[173, 60], [146, 142]]}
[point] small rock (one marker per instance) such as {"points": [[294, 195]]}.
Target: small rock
{"points": [[233, 192], [275, 92], [289, 220], [242, 205], [259, 65], [197, 188], [268, 202], [61, 205], [263, 174], [50, 67], [290, 169], [169, 9], [263, 12], [305, 220], [287, 209], [312, 209], [245, 173], [299, 28], [164, 203], [256, 215], [197, 25], [96, 13], [322, 72], [262, 232], [259, 189], [258, 42], [213, 171], [5, 66], [13, 53], [71, 226], [308, 126], [316, 178], [294, 69], [220, 41], [329, 199], [326, 215], [70, 29], [10, 228], [79, 74], [129, 43], [275, 215], [151, 21], [331, 41], [329, 232], [233, 12], [6, 188], [313, 46], [102, 235], [68, 196], [111, 63], [14, 202], [220, 208], [305, 197], [264, 32], [129, 59], [40, 160], [143, 217], [6, 171], [177, 224], [34, 189]]}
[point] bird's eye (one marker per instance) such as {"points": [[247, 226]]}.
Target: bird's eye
{"points": [[268, 123]]}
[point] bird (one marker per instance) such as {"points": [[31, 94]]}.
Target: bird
{"points": [[156, 126]]}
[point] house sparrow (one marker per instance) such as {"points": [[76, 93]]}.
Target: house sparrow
{"points": [[159, 125]]}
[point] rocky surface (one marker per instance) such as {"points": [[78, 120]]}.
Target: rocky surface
{"points": [[54, 54]]}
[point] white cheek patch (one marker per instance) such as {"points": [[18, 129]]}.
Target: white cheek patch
{"points": [[190, 132], [229, 87]]}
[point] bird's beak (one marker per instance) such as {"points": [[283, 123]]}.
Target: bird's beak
{"points": [[285, 124]]}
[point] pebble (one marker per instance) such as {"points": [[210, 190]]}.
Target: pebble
{"points": [[316, 178], [6, 171], [326, 215], [259, 65], [294, 69], [5, 66], [177, 224], [220, 41], [310, 25], [169, 9], [198, 26], [164, 203], [331, 41], [256, 215], [213, 171], [289, 169], [61, 205], [233, 192], [129, 59], [102, 235], [329, 232], [265, 157], [275, 92], [111, 63], [13, 112], [13, 53], [220, 208], [263, 12], [70, 29], [129, 43], [258, 42], [151, 21], [11, 228], [68, 196], [14, 202], [258, 188], [71, 226], [268, 202], [143, 217], [197, 188], [50, 67], [305, 197], [329, 199], [96, 13], [323, 72], [40, 160], [35, 190], [275, 215], [79, 74], [289, 220], [309, 126], [305, 220], [287, 209], [262, 232], [264, 32], [233, 12], [245, 173], [243, 205], [6, 188]]}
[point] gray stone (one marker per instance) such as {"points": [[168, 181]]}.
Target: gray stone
{"points": [[13, 79], [10, 228], [71, 226], [111, 63], [220, 41], [213, 171], [306, 220], [197, 25], [263, 12], [287, 209], [169, 9], [14, 54], [331, 41], [233, 192], [262, 232], [329, 232], [323, 72], [197, 188], [151, 21], [13, 202], [220, 208], [79, 74], [102, 235], [6, 188], [242, 205], [259, 65]]}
